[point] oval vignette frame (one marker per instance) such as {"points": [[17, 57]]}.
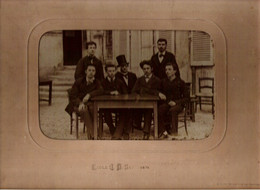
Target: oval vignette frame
{"points": [[207, 144]]}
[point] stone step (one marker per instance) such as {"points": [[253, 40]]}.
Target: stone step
{"points": [[56, 88], [55, 94], [70, 67], [62, 83], [62, 77], [66, 72]]}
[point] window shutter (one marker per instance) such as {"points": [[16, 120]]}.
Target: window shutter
{"points": [[201, 49], [123, 42]]}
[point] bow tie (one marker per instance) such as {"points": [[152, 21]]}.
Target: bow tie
{"points": [[161, 55], [126, 76]]}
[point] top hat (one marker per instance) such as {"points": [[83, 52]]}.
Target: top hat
{"points": [[121, 60], [145, 62]]}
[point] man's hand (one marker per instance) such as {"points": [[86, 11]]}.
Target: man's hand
{"points": [[86, 98], [115, 92], [81, 106], [172, 103], [162, 96]]}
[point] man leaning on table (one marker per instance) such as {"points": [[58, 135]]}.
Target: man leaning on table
{"points": [[82, 91]]}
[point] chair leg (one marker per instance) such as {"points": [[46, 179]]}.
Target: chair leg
{"points": [[200, 102], [100, 124], [213, 112], [77, 126], [84, 128], [71, 121], [185, 123]]}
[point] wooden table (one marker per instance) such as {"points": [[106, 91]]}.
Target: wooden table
{"points": [[47, 83], [132, 101]]}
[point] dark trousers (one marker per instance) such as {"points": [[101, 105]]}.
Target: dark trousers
{"points": [[109, 120], [168, 114], [87, 116], [123, 122], [148, 114]]}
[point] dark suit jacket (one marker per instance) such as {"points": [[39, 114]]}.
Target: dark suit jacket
{"points": [[151, 87], [159, 68], [131, 80], [79, 90], [112, 86], [81, 66], [175, 90]]}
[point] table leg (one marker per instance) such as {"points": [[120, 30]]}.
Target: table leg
{"points": [[155, 115], [50, 92], [95, 120]]}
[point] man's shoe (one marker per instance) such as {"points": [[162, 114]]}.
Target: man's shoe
{"points": [[146, 136], [112, 130], [163, 135], [126, 136], [115, 138]]}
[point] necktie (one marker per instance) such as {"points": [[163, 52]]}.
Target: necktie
{"points": [[161, 55]]}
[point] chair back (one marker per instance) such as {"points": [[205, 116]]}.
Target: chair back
{"points": [[69, 94], [206, 84]]}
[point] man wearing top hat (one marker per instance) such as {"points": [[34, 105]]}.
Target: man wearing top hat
{"points": [[89, 59], [124, 75], [146, 84], [161, 58], [129, 80]]}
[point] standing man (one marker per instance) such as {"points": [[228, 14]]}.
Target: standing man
{"points": [[89, 59], [124, 75], [146, 84], [82, 91], [160, 59], [174, 94], [114, 86]]}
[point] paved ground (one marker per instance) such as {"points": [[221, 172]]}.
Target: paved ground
{"points": [[55, 123]]}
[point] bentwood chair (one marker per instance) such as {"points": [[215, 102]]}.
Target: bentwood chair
{"points": [[206, 92]]}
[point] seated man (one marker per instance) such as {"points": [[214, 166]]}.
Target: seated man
{"points": [[82, 91], [146, 84], [129, 80], [114, 86], [174, 95], [124, 75]]}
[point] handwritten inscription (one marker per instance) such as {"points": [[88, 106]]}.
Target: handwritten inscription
{"points": [[117, 167]]}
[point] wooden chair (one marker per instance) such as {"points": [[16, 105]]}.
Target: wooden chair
{"points": [[76, 119], [206, 92]]}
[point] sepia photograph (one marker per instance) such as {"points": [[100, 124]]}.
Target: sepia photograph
{"points": [[126, 84]]}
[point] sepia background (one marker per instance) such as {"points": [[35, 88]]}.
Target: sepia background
{"points": [[60, 51]]}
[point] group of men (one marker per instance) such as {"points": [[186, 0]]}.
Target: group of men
{"points": [[161, 78]]}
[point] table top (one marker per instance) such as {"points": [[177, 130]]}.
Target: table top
{"points": [[126, 97]]}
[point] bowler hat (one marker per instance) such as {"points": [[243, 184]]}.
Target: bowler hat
{"points": [[145, 62], [121, 60]]}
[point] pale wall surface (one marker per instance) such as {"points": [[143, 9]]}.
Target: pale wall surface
{"points": [[233, 163], [50, 53]]}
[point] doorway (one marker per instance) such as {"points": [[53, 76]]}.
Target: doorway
{"points": [[72, 46]]}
